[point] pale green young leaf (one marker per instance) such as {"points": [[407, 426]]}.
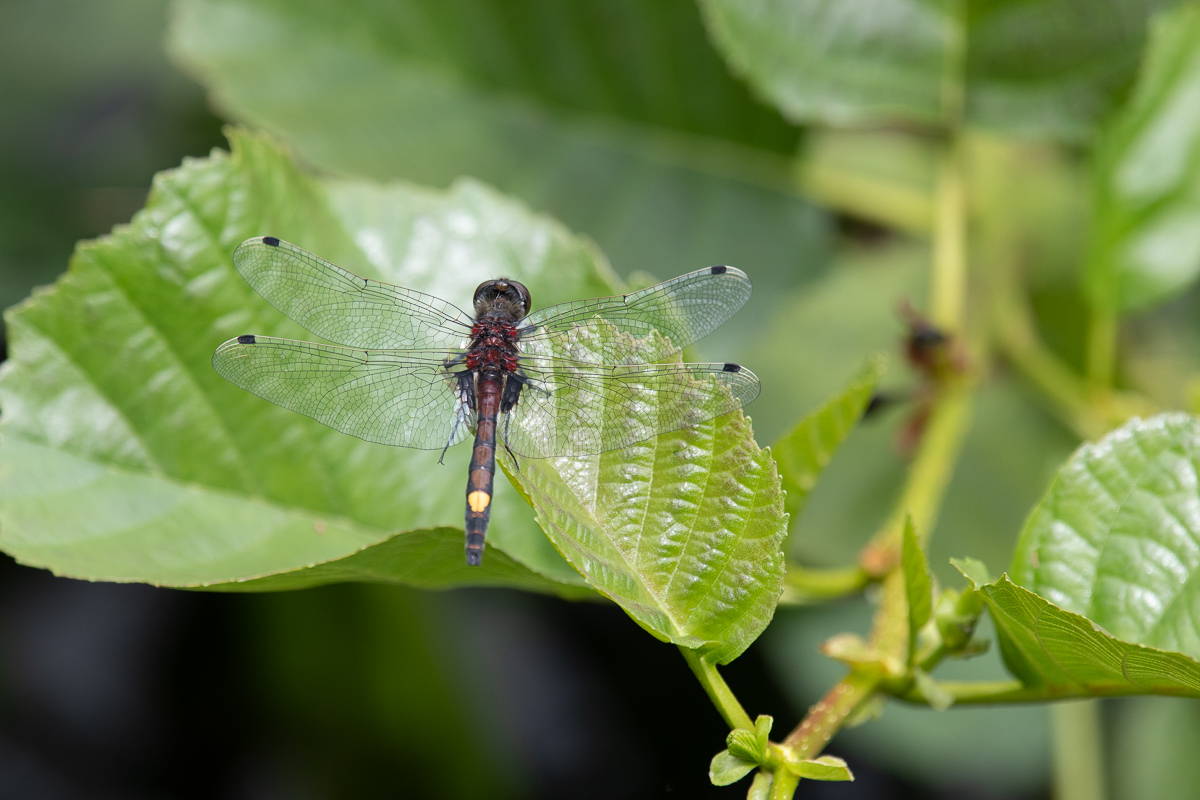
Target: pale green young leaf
{"points": [[824, 768], [804, 451], [918, 585], [745, 745], [727, 768], [762, 730], [937, 697]]}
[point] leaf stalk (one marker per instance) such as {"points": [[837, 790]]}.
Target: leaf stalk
{"points": [[718, 691]]}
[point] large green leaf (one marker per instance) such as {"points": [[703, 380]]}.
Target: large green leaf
{"points": [[684, 531], [1032, 68], [1064, 654], [1117, 536], [1146, 236], [426, 559], [126, 457], [616, 117]]}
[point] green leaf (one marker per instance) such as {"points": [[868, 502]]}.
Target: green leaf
{"points": [[126, 457], [855, 652], [1067, 655], [939, 699], [684, 531], [803, 452], [973, 568], [956, 615], [1146, 239], [617, 118], [1117, 536], [426, 559], [825, 768], [818, 61], [727, 768], [762, 731], [918, 585], [1033, 68], [745, 745], [196, 536], [751, 745]]}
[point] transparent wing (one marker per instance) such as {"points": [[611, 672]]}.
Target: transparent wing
{"points": [[578, 408], [682, 309], [342, 307], [379, 395]]}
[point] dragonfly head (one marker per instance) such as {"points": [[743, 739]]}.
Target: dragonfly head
{"points": [[503, 296]]}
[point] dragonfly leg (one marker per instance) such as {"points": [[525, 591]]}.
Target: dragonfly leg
{"points": [[508, 401], [516, 463]]}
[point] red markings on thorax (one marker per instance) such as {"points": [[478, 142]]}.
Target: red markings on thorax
{"points": [[493, 346]]}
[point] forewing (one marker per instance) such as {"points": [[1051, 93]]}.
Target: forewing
{"points": [[682, 310], [577, 408], [378, 395], [342, 307]]}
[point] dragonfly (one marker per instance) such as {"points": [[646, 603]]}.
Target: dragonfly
{"points": [[411, 370]]}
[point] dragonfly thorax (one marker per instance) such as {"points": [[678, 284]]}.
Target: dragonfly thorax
{"points": [[493, 346]]}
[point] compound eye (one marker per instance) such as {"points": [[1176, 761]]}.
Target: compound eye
{"points": [[523, 293], [481, 292]]}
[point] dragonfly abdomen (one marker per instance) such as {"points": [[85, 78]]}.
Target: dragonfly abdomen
{"points": [[483, 465]]}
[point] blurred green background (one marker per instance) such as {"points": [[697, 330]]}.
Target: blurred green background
{"points": [[623, 121]]}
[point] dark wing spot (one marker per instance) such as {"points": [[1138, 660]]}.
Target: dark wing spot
{"points": [[247, 338], [718, 270], [271, 240], [733, 368]]}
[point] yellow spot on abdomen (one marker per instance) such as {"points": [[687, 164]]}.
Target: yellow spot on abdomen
{"points": [[478, 501]]}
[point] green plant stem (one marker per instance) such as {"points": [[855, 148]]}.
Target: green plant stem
{"points": [[718, 691], [949, 278], [824, 719], [1089, 407], [940, 445], [979, 693], [784, 784], [1078, 751], [1016, 335], [1101, 350], [928, 476], [949, 275], [804, 585], [1006, 692]]}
